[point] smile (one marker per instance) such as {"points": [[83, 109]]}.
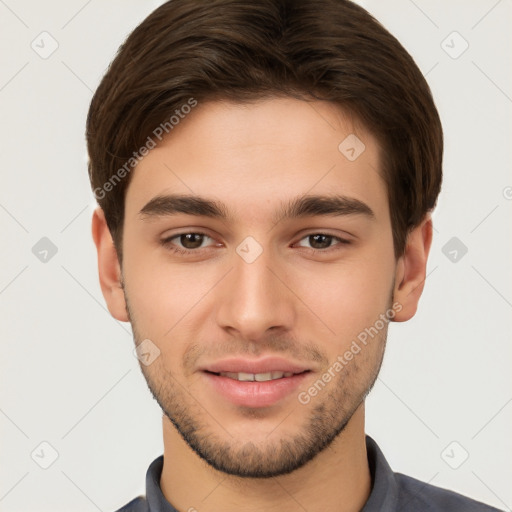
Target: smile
{"points": [[259, 377]]}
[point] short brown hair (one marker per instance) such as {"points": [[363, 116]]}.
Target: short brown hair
{"points": [[243, 51]]}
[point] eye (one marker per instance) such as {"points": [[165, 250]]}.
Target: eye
{"points": [[322, 242], [190, 242]]}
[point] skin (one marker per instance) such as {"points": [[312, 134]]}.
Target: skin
{"points": [[306, 307]]}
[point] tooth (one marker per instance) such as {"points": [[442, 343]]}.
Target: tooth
{"points": [[262, 377], [245, 376], [259, 377]]}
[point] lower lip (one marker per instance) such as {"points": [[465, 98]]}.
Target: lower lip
{"points": [[253, 393]]}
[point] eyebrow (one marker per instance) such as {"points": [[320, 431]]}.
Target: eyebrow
{"points": [[302, 206]]}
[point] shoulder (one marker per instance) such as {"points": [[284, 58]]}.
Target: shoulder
{"points": [[138, 504], [414, 494]]}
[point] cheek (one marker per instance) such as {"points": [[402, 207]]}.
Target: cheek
{"points": [[347, 297], [167, 301], [164, 297], [151, 290]]}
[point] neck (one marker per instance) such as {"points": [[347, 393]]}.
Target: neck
{"points": [[337, 479]]}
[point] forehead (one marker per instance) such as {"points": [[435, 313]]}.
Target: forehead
{"points": [[260, 154]]}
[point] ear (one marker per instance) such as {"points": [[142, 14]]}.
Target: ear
{"points": [[109, 269], [411, 270]]}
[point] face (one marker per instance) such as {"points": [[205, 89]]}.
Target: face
{"points": [[282, 286]]}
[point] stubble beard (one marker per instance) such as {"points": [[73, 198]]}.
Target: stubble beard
{"points": [[281, 453]]}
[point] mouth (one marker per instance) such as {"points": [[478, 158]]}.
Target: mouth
{"points": [[256, 377], [254, 383]]}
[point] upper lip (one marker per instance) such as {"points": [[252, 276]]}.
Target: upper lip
{"points": [[266, 365]]}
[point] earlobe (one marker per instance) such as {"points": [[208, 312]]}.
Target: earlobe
{"points": [[411, 270], [109, 269]]}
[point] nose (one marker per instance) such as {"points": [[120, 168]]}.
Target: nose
{"points": [[255, 298]]}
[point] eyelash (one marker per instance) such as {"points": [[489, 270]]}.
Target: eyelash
{"points": [[168, 245]]}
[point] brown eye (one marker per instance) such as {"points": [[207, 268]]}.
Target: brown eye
{"points": [[322, 242], [184, 243], [191, 240]]}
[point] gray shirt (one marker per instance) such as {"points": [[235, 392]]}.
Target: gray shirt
{"points": [[391, 492]]}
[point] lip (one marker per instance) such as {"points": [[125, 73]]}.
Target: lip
{"points": [[264, 365], [253, 393]]}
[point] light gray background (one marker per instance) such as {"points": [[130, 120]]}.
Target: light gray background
{"points": [[68, 374]]}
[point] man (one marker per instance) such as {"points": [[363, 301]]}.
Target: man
{"points": [[265, 174]]}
